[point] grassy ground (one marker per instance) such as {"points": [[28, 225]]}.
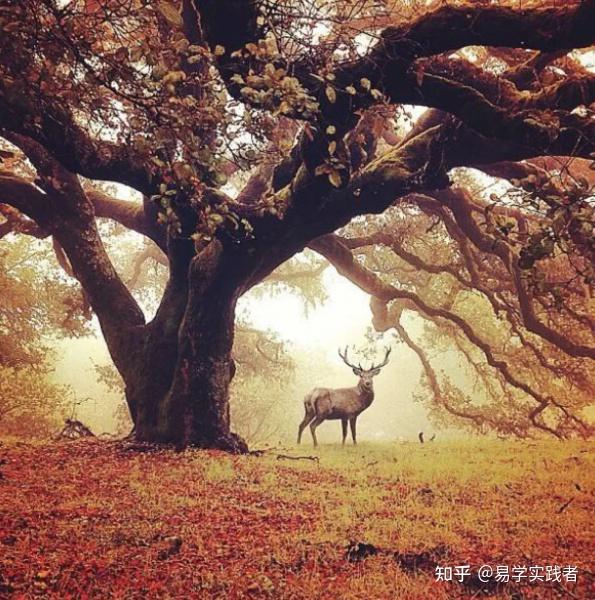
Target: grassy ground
{"points": [[89, 519]]}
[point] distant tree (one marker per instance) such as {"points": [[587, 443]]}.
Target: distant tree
{"points": [[293, 104], [34, 311], [30, 404], [483, 366]]}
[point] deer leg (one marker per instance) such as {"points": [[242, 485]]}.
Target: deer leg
{"points": [[306, 420], [344, 425], [315, 423], [352, 424]]}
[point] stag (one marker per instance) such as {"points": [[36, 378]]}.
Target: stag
{"points": [[323, 404]]}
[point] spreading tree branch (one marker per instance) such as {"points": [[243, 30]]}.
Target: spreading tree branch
{"points": [[337, 253], [60, 206]]}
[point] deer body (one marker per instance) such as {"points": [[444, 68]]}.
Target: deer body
{"points": [[343, 403], [346, 404]]}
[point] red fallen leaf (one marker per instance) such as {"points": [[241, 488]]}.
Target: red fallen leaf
{"points": [[43, 574]]}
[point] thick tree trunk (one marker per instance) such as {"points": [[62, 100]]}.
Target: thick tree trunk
{"points": [[182, 395]]}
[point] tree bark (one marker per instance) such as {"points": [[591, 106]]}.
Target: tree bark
{"points": [[194, 410]]}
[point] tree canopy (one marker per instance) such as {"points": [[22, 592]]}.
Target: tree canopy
{"points": [[439, 155]]}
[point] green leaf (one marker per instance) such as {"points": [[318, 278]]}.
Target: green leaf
{"points": [[219, 178]]}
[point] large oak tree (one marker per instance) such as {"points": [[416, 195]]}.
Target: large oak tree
{"points": [[302, 103]]}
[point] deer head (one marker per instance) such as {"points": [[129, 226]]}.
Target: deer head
{"points": [[365, 375]]}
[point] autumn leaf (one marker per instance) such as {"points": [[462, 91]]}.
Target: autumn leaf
{"points": [[171, 13], [334, 178]]}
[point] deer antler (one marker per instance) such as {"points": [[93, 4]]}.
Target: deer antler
{"points": [[384, 362], [346, 360]]}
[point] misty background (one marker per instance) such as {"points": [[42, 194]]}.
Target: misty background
{"points": [[312, 335]]}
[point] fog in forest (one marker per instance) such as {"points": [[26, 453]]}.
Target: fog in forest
{"points": [[312, 336]]}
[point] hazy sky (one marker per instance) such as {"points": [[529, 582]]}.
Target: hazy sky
{"points": [[341, 320]]}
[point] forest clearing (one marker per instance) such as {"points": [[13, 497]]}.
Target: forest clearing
{"points": [[91, 519]]}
